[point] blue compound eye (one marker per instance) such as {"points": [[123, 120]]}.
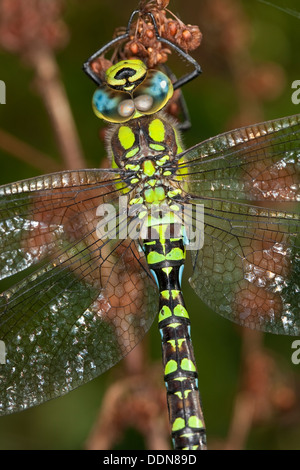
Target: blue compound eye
{"points": [[154, 93], [148, 98], [112, 106]]}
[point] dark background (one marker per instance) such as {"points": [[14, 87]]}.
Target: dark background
{"points": [[250, 57]]}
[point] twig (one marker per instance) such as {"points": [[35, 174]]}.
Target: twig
{"points": [[54, 96], [28, 154]]}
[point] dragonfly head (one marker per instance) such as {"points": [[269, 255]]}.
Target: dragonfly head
{"points": [[130, 91]]}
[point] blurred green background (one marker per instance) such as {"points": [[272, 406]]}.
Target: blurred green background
{"points": [[216, 102]]}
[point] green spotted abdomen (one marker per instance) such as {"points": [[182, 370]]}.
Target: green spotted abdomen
{"points": [[180, 374]]}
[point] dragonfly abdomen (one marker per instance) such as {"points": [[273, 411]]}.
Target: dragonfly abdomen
{"points": [[166, 261]]}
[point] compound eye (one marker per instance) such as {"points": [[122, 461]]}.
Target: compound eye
{"points": [[111, 106], [126, 108], [154, 93], [143, 103]]}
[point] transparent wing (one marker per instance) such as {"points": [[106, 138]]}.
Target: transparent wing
{"points": [[256, 163], [89, 301], [249, 267]]}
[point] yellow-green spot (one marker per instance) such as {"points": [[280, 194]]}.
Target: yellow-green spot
{"points": [[162, 160], [157, 130], [156, 147], [131, 167], [149, 168], [195, 422], [136, 65], [180, 342], [175, 293], [187, 434], [167, 173], [129, 87], [165, 294], [151, 242], [174, 192], [179, 394], [154, 195], [167, 270], [180, 311], [132, 152], [178, 424], [171, 366], [178, 143], [142, 214], [126, 137], [136, 200], [175, 254], [165, 312], [152, 182], [187, 364], [186, 393], [154, 257], [134, 180], [172, 343], [180, 379]]}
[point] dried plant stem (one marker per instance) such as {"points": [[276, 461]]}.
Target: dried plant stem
{"points": [[26, 153], [54, 96], [135, 401], [247, 400]]}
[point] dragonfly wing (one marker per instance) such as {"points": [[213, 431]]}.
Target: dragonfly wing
{"points": [[86, 306], [249, 267], [255, 163], [40, 215]]}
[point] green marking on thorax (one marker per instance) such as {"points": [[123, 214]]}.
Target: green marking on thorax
{"points": [[137, 200], [132, 167], [156, 147], [132, 152], [155, 195], [162, 160], [126, 137], [157, 130], [134, 180], [149, 168]]}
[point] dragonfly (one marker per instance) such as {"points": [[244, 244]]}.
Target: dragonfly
{"points": [[103, 250]]}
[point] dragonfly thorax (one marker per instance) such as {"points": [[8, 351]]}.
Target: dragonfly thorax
{"points": [[145, 149]]}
